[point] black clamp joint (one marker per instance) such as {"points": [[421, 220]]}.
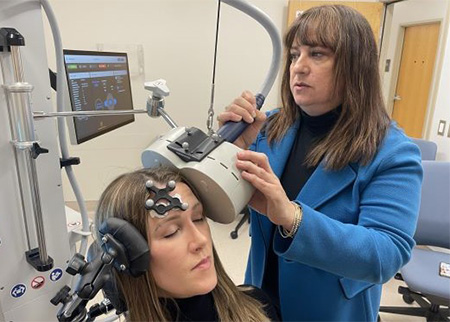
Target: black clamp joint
{"points": [[37, 149], [69, 162], [10, 37], [63, 296]]}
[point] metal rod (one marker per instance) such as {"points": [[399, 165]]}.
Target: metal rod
{"points": [[22, 197], [167, 118], [17, 64], [37, 209], [19, 100], [40, 114]]}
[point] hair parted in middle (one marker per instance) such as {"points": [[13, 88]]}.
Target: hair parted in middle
{"points": [[125, 198], [363, 121]]}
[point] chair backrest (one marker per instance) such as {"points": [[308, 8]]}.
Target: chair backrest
{"points": [[433, 226], [428, 149]]}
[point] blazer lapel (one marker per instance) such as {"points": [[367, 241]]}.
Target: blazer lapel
{"points": [[325, 184], [322, 185], [278, 154]]}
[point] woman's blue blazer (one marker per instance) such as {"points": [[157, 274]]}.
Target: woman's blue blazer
{"points": [[356, 233]]}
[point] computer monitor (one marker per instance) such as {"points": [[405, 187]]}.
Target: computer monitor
{"points": [[98, 81]]}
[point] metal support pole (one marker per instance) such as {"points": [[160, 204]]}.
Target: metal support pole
{"points": [[17, 64]]}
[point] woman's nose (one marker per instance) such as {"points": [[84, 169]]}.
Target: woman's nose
{"points": [[301, 65], [198, 239]]}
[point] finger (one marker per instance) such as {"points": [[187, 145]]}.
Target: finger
{"points": [[252, 168], [266, 188], [244, 108], [249, 97], [241, 108], [228, 116], [260, 117], [257, 158]]}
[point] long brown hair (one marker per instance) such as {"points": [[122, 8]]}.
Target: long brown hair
{"points": [[363, 121], [124, 198]]}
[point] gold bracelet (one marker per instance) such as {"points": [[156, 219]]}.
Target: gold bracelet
{"points": [[298, 216]]}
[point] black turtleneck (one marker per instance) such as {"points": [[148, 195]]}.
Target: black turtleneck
{"points": [[294, 177], [310, 131], [202, 308], [196, 308]]}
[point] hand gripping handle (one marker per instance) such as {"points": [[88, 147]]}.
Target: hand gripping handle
{"points": [[230, 131]]}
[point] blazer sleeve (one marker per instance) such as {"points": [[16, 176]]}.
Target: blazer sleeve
{"points": [[375, 247]]}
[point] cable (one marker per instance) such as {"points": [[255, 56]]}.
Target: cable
{"points": [[60, 103], [210, 120]]}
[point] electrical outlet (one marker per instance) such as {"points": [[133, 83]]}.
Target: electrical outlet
{"points": [[441, 128]]}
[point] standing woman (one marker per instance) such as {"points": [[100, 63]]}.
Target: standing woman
{"points": [[337, 183]]}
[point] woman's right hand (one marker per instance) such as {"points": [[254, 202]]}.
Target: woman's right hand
{"points": [[244, 109]]}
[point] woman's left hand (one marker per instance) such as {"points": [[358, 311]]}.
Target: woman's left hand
{"points": [[269, 198]]}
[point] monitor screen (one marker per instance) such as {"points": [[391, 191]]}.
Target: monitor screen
{"points": [[98, 81]]}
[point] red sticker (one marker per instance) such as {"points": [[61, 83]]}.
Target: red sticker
{"points": [[37, 282]]}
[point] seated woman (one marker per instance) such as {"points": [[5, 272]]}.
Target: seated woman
{"points": [[185, 280]]}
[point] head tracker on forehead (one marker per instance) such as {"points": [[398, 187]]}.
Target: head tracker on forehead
{"points": [[167, 203]]}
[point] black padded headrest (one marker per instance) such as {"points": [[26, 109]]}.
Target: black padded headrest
{"points": [[131, 247]]}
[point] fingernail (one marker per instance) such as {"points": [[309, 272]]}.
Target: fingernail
{"points": [[254, 114]]}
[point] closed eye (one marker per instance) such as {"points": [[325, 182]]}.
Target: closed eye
{"points": [[199, 220], [172, 234]]}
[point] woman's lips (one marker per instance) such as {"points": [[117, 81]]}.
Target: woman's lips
{"points": [[301, 85], [203, 264]]}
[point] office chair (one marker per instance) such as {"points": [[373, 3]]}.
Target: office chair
{"points": [[428, 149], [425, 274], [245, 217]]}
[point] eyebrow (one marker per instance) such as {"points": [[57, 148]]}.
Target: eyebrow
{"points": [[175, 216]]}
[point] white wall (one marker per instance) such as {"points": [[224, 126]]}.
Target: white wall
{"points": [[177, 38], [413, 12], [442, 105], [178, 43]]}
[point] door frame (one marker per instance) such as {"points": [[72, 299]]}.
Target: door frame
{"points": [[392, 48], [434, 80]]}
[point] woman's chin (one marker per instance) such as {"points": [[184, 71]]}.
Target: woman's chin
{"points": [[206, 286]]}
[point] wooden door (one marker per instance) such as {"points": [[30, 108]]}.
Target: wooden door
{"points": [[372, 11], [414, 78]]}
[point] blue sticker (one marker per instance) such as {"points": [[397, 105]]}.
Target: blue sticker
{"points": [[18, 290], [56, 274]]}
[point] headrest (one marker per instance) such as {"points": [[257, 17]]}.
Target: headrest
{"points": [[133, 254]]}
